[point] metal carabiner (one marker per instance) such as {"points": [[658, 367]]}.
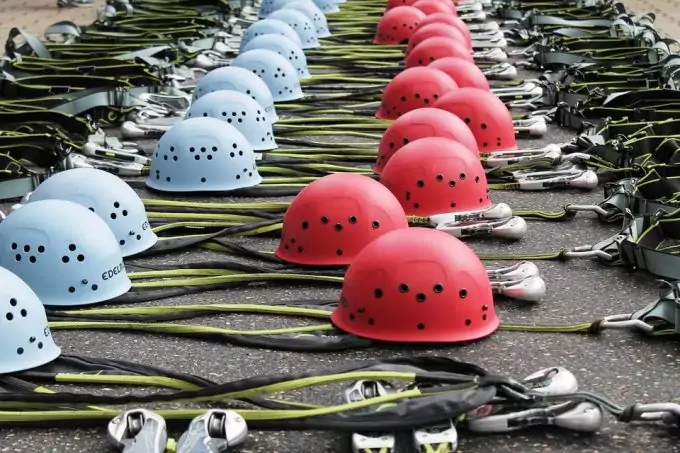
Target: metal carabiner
{"points": [[213, 432], [138, 431]]}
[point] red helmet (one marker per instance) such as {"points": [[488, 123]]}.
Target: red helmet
{"points": [[333, 218], [411, 89], [431, 31], [417, 285], [435, 48], [422, 123], [394, 3], [437, 175], [486, 116], [455, 21], [436, 6], [397, 25], [465, 74]]}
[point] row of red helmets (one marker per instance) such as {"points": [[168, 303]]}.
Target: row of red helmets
{"points": [[402, 284], [411, 284], [440, 72]]}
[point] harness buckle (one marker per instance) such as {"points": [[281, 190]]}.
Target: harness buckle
{"points": [[59, 89]]}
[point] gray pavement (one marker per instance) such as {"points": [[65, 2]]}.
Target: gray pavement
{"points": [[622, 365]]}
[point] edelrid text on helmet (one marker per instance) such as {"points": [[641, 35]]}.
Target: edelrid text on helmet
{"points": [[203, 155], [276, 71], [284, 47], [241, 80], [437, 175], [302, 25], [239, 110], [27, 341], [270, 26], [397, 25], [486, 116], [334, 217], [416, 285], [110, 198], [66, 253], [412, 89], [422, 123]]}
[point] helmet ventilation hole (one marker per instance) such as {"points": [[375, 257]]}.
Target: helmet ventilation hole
{"points": [[462, 293], [26, 249], [378, 293]]}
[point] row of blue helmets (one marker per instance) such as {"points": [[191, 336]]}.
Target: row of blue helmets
{"points": [[65, 243], [202, 153]]}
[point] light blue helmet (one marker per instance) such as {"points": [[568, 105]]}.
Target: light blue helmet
{"points": [[66, 253], [239, 110], [276, 71], [270, 27], [266, 8], [328, 6], [284, 47], [203, 155], [302, 25], [109, 197], [309, 8], [238, 79], [28, 342]]}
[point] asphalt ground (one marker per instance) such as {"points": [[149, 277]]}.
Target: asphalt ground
{"points": [[622, 365]]}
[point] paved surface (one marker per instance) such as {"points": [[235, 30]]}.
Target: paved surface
{"points": [[622, 365]]}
